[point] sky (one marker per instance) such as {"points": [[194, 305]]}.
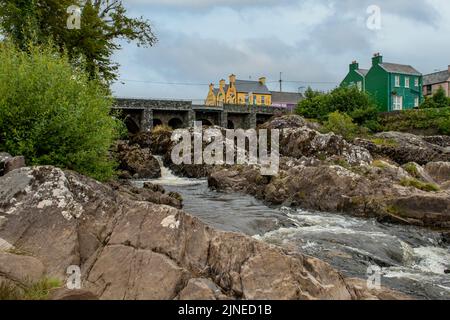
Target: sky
{"points": [[311, 42]]}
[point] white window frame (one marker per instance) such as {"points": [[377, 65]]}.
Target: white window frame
{"points": [[359, 85], [416, 82], [407, 82], [397, 81], [397, 103], [416, 102]]}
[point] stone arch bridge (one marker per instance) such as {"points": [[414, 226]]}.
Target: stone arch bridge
{"points": [[143, 115]]}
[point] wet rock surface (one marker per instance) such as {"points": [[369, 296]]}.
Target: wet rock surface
{"points": [[130, 249], [136, 162]]}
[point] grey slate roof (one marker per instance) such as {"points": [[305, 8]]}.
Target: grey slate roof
{"points": [[247, 86], [251, 86], [286, 97], [363, 72], [400, 68], [437, 77]]}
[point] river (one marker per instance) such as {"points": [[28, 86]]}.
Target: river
{"points": [[413, 260]]}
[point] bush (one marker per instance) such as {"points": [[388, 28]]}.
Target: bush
{"points": [[438, 100], [53, 114], [436, 120], [39, 290], [341, 124], [429, 187], [358, 105]]}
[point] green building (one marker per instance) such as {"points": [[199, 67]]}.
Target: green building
{"points": [[393, 86]]}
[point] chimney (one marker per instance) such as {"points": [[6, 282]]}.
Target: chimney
{"points": [[262, 81], [232, 79], [354, 66], [211, 87], [377, 59], [448, 68]]}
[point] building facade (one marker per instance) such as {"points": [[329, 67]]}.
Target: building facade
{"points": [[432, 82], [393, 86], [288, 100], [240, 92]]}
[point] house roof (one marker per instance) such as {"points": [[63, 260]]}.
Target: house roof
{"points": [[437, 77], [362, 72], [251, 86], [400, 68], [286, 97]]}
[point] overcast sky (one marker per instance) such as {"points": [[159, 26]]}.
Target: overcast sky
{"points": [[309, 41]]}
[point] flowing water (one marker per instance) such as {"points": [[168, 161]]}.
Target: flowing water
{"points": [[413, 260]]}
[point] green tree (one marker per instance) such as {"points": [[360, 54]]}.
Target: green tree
{"points": [[438, 100], [103, 22], [341, 124], [53, 114], [358, 105]]}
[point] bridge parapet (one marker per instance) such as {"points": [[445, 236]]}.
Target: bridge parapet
{"points": [[146, 113]]}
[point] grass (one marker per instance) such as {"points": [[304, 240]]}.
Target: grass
{"points": [[411, 168], [161, 129], [384, 142], [39, 290], [379, 164], [429, 187]]}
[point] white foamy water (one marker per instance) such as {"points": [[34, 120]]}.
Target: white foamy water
{"points": [[413, 260], [168, 178]]}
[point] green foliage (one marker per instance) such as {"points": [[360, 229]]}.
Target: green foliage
{"points": [[39, 290], [341, 124], [429, 187], [380, 164], [358, 105], [103, 22], [53, 114], [384, 142], [436, 119], [411, 168], [438, 100]]}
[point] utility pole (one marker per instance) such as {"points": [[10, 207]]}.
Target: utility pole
{"points": [[281, 82]]}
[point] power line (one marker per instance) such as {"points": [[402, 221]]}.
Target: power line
{"points": [[207, 84]]}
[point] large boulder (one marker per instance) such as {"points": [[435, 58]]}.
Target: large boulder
{"points": [[383, 191], [300, 142], [404, 148], [130, 249], [9, 163], [439, 171], [139, 162], [289, 121]]}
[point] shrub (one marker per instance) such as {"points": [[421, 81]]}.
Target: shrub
{"points": [[429, 187], [39, 290], [436, 119], [341, 124], [358, 105], [438, 100], [52, 114]]}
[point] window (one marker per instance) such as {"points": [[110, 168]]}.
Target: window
{"points": [[254, 100], [407, 82], [416, 82], [263, 100], [397, 81], [416, 102], [359, 85], [398, 103]]}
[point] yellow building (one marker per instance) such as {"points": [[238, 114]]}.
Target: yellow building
{"points": [[244, 92]]}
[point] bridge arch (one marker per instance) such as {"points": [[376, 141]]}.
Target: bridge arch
{"points": [[131, 125], [175, 123], [157, 122], [230, 125], [206, 122]]}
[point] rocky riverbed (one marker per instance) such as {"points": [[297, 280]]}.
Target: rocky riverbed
{"points": [[134, 242]]}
